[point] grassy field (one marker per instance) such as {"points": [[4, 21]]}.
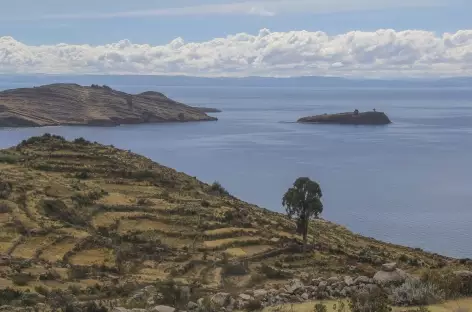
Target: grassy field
{"points": [[94, 212]]}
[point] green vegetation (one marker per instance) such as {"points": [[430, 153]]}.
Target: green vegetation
{"points": [[303, 201]]}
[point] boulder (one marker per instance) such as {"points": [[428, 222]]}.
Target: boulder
{"points": [[348, 280], [294, 285], [397, 276], [362, 280], [463, 274], [322, 285], [163, 308], [260, 293], [220, 300], [305, 296], [192, 305], [389, 267], [245, 297]]}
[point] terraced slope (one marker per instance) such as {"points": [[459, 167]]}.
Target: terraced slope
{"points": [[71, 104], [80, 213]]}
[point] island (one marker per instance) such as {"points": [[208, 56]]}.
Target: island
{"points": [[81, 222], [349, 118], [73, 104]]}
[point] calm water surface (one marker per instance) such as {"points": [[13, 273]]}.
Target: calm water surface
{"points": [[407, 183]]}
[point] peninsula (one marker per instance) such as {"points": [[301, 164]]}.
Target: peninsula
{"points": [[91, 223], [72, 104], [349, 118]]}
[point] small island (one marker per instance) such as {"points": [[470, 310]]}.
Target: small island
{"points": [[72, 104], [349, 118]]}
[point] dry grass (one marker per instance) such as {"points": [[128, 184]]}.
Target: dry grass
{"points": [[235, 252], [219, 243], [94, 257], [226, 231], [28, 249], [56, 252]]}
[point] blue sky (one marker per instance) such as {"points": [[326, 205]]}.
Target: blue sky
{"points": [[54, 21], [374, 38]]}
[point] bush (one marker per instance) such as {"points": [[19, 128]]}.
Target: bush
{"points": [[319, 307], [9, 158], [205, 203], [217, 189], [452, 285], [22, 279], [369, 301], [416, 292], [4, 208], [81, 141], [58, 210], [83, 175], [8, 295], [254, 305], [5, 189]]}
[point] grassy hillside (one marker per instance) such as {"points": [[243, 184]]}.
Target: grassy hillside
{"points": [[72, 104], [80, 215]]}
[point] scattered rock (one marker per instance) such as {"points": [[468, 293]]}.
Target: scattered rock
{"points": [[220, 299], [463, 274], [260, 293], [294, 285], [192, 305], [362, 280], [348, 280], [386, 278], [389, 267], [163, 308], [245, 297]]}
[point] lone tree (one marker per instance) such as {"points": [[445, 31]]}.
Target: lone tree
{"points": [[303, 201]]}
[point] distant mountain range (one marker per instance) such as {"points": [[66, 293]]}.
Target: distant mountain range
{"points": [[311, 81]]}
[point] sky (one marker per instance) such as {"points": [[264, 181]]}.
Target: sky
{"points": [[361, 38]]}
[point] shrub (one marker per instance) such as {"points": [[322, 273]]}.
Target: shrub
{"points": [[57, 209], [22, 279], [217, 189], [81, 141], [416, 292], [319, 307], [83, 175], [50, 275], [41, 290], [9, 158], [5, 189], [452, 285], [205, 203], [8, 295], [369, 301], [4, 208], [254, 305]]}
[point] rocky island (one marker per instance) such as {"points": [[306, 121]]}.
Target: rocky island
{"points": [[83, 223], [349, 118], [72, 104]]}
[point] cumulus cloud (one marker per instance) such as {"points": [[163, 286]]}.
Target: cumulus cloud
{"points": [[381, 53]]}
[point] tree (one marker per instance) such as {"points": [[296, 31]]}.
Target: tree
{"points": [[303, 201]]}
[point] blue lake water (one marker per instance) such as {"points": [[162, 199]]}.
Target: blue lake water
{"points": [[408, 183]]}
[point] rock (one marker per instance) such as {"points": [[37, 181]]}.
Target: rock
{"points": [[322, 285], [463, 274], [305, 296], [294, 285], [192, 305], [389, 267], [163, 308], [260, 293], [348, 280], [220, 300], [332, 280], [386, 278], [120, 309], [349, 118], [362, 280], [245, 297]]}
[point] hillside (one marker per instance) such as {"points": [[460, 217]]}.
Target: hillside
{"points": [[72, 104], [102, 223]]}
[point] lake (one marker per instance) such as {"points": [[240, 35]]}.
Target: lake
{"points": [[408, 183]]}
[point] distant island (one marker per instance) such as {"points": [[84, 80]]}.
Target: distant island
{"points": [[349, 118], [73, 104]]}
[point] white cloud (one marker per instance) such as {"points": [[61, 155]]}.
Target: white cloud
{"points": [[381, 53]]}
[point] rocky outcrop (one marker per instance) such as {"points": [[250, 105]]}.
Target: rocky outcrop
{"points": [[208, 109], [72, 104], [349, 118]]}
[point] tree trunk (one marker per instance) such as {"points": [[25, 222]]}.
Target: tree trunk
{"points": [[305, 232]]}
